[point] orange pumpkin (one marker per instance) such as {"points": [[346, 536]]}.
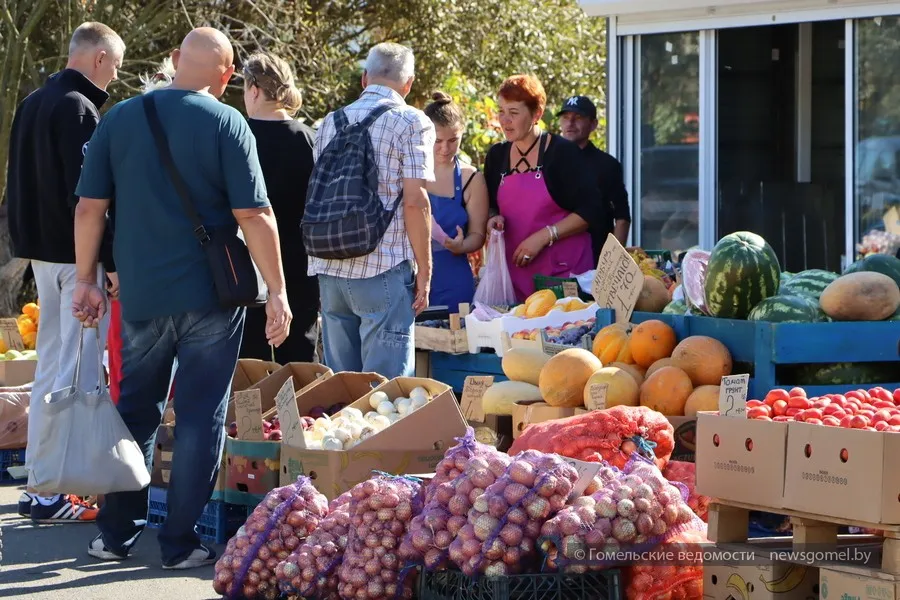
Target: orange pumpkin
{"points": [[704, 359], [612, 344], [651, 341], [667, 391]]}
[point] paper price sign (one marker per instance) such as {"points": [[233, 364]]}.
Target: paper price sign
{"points": [[586, 472], [733, 395], [248, 415], [618, 281], [473, 391], [289, 416], [597, 397], [570, 289], [9, 333]]}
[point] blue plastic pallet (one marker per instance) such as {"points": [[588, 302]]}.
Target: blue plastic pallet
{"points": [[218, 523], [10, 458]]}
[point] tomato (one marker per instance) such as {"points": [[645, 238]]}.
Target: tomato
{"points": [[881, 395], [833, 409], [758, 412], [754, 403], [792, 411], [781, 419], [774, 395], [854, 395], [831, 421], [897, 396], [839, 399], [763, 418], [799, 402], [814, 421], [813, 413], [797, 391], [884, 404], [869, 414], [895, 428], [882, 415], [779, 407], [852, 406], [846, 421], [865, 395], [822, 403], [882, 426], [868, 428], [894, 420], [859, 422]]}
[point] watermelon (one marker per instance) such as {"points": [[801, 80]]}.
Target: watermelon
{"points": [[807, 283], [786, 309], [784, 277], [676, 307], [743, 270], [878, 263], [842, 374]]}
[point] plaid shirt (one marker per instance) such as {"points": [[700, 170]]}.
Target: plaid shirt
{"points": [[403, 140]]}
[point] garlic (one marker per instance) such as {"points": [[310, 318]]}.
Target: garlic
{"points": [[377, 398], [386, 408]]}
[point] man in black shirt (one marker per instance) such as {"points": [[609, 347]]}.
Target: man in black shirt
{"points": [[48, 140], [578, 120]]}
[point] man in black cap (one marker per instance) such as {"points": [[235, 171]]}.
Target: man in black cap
{"points": [[578, 120]]}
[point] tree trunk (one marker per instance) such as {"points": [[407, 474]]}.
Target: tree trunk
{"points": [[12, 272]]}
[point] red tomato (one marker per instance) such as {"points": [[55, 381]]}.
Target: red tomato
{"points": [[897, 396], [831, 421], [813, 413], [881, 395], [882, 426], [884, 404], [869, 414], [882, 415], [792, 411], [758, 412], [895, 428], [814, 421], [764, 418], [797, 391], [754, 403], [834, 409], [774, 395], [779, 407], [868, 428], [846, 421], [822, 403], [838, 399], [852, 406], [854, 395], [859, 422], [781, 419], [799, 402], [894, 420]]}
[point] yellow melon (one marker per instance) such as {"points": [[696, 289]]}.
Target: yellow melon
{"points": [[703, 398], [563, 378], [706, 360], [656, 366], [635, 371], [524, 364], [667, 391], [622, 389]]}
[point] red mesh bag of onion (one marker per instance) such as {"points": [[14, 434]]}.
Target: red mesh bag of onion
{"points": [[284, 518], [686, 474]]}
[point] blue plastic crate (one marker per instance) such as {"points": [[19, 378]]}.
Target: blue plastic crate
{"points": [[10, 458], [218, 523], [453, 369]]}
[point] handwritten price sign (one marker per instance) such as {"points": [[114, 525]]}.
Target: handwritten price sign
{"points": [[733, 395], [618, 281]]}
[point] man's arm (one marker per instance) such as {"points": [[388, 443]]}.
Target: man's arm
{"points": [[90, 223], [261, 234], [418, 168], [619, 197]]}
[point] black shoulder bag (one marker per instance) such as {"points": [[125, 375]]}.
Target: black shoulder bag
{"points": [[237, 280]]}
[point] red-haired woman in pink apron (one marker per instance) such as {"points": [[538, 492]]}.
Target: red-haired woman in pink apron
{"points": [[542, 194]]}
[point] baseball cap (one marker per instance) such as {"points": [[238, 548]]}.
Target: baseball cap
{"points": [[580, 105]]}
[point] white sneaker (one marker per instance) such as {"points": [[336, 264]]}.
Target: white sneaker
{"points": [[98, 549], [200, 557]]}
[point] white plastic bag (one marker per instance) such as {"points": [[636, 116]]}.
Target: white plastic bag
{"points": [[86, 448], [495, 287]]}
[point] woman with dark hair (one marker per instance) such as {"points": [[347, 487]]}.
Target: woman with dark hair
{"points": [[285, 149], [459, 205], [541, 192]]}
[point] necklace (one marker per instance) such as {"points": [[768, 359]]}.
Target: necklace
{"points": [[523, 155]]}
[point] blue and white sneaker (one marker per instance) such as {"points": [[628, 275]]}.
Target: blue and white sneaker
{"points": [[25, 502], [65, 509], [98, 549]]}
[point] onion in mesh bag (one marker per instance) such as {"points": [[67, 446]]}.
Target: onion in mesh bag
{"points": [[634, 509], [680, 581], [311, 570], [455, 459], [685, 473], [277, 526], [444, 515], [381, 510], [504, 523]]}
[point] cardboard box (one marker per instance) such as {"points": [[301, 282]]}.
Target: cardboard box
{"points": [[742, 459], [529, 412], [162, 462], [414, 444], [685, 438], [836, 585], [14, 373], [829, 468], [305, 375], [775, 581], [250, 371], [423, 363], [494, 430]]}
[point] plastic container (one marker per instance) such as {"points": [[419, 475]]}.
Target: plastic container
{"points": [[216, 525], [453, 585], [10, 458], [555, 284]]}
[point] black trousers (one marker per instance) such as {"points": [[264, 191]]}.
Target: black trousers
{"points": [[300, 345]]}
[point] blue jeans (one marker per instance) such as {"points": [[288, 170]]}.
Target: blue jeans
{"points": [[367, 324], [206, 344]]}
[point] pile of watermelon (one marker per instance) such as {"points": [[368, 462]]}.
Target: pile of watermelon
{"points": [[742, 279]]}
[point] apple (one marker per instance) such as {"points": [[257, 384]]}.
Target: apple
{"points": [[317, 412], [232, 430], [274, 435]]}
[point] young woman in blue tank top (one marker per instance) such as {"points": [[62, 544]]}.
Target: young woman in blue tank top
{"points": [[459, 205]]}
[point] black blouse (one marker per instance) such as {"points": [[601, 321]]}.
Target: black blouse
{"points": [[570, 181]]}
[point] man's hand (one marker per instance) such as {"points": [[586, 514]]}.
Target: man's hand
{"points": [[112, 287], [423, 288], [278, 319], [88, 303]]}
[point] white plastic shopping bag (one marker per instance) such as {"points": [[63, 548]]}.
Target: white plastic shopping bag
{"points": [[85, 448], [495, 287]]}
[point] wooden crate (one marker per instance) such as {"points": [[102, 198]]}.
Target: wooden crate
{"points": [[451, 341], [729, 522]]}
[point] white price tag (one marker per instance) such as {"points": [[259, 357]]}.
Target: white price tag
{"points": [[597, 398], [586, 472], [733, 395], [618, 281]]}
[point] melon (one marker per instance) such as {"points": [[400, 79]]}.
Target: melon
{"points": [[500, 398], [653, 297], [622, 389], [807, 283], [743, 270], [704, 359], [663, 362], [861, 296], [563, 378], [650, 341], [878, 263], [613, 344], [667, 391], [524, 364], [704, 398], [635, 371], [787, 309]]}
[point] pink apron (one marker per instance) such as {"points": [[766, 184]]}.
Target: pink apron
{"points": [[527, 207]]}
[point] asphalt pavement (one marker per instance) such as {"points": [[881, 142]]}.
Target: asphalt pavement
{"points": [[41, 562]]}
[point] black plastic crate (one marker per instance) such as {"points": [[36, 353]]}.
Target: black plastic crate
{"points": [[10, 458], [454, 585]]}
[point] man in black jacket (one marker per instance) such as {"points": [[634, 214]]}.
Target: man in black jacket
{"points": [[49, 137], [577, 121]]}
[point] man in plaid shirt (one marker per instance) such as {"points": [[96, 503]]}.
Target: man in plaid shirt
{"points": [[369, 304]]}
